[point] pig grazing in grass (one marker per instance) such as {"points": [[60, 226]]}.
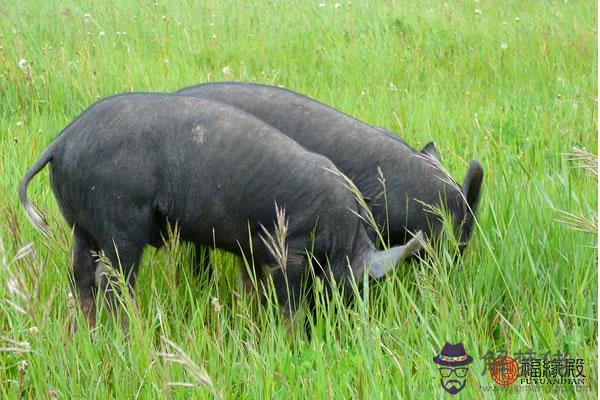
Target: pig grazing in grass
{"points": [[132, 164], [414, 180]]}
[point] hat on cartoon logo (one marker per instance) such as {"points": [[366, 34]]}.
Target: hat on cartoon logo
{"points": [[453, 355], [453, 371]]}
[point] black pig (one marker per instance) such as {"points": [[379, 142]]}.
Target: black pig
{"points": [[133, 163], [414, 180]]}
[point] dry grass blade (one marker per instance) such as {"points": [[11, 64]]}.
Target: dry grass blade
{"points": [[365, 215], [589, 163], [434, 163], [18, 285], [24, 252], [12, 346], [579, 222], [276, 243], [178, 356], [182, 384], [584, 159]]}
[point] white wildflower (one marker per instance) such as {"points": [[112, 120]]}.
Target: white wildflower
{"points": [[216, 305]]}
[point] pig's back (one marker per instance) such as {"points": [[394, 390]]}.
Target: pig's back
{"points": [[198, 161]]}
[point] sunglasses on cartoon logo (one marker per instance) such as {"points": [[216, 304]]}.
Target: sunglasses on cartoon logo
{"points": [[459, 372]]}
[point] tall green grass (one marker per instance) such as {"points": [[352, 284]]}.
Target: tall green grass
{"points": [[512, 85]]}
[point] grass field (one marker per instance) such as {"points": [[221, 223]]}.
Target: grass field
{"points": [[509, 83]]}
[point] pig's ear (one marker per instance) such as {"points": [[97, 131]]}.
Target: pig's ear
{"points": [[472, 184], [431, 151]]}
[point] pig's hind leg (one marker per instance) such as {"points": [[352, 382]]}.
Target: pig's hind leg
{"points": [[124, 257], [122, 244], [84, 273]]}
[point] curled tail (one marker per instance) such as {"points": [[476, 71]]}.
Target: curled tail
{"points": [[33, 215]]}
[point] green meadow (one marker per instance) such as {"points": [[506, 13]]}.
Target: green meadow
{"points": [[512, 84]]}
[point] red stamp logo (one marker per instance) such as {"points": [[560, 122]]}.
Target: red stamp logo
{"points": [[504, 371]]}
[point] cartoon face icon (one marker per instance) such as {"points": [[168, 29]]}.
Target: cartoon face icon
{"points": [[453, 361], [453, 379]]}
